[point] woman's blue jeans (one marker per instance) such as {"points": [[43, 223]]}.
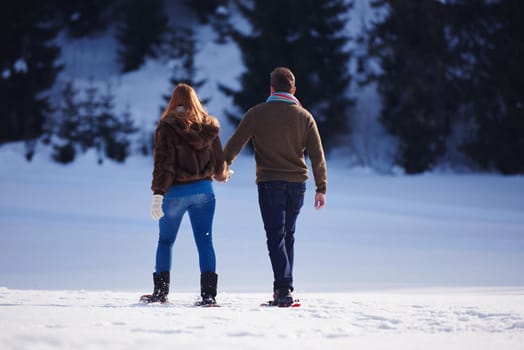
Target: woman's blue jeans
{"points": [[201, 209], [280, 203]]}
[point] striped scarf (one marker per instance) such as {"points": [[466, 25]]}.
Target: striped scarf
{"points": [[283, 97]]}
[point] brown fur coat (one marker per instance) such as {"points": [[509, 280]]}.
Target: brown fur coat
{"points": [[183, 155]]}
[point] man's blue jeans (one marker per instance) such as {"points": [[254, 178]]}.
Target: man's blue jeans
{"points": [[280, 203], [201, 208]]}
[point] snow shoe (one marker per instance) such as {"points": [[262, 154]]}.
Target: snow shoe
{"points": [[282, 298], [207, 301]]}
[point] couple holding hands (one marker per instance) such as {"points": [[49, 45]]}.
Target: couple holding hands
{"points": [[188, 155]]}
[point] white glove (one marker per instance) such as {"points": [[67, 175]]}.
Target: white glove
{"points": [[156, 207]]}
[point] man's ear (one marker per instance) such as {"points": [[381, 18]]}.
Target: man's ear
{"points": [[293, 90], [272, 90]]}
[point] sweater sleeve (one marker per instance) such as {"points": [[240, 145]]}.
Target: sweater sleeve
{"points": [[164, 162], [238, 140], [316, 155], [220, 164]]}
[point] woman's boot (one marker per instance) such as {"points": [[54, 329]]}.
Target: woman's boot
{"points": [[160, 291], [208, 288]]}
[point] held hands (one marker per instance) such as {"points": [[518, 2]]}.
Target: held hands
{"points": [[320, 200], [225, 176], [229, 173], [156, 207]]}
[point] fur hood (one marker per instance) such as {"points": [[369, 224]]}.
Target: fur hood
{"points": [[197, 137]]}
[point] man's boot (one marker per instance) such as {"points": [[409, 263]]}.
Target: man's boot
{"points": [[282, 297]]}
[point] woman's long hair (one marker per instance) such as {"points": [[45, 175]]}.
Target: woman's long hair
{"points": [[185, 105]]}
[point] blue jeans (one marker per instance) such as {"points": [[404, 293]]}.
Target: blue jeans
{"points": [[280, 203], [198, 200]]}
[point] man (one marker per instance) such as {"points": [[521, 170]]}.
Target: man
{"points": [[281, 131]]}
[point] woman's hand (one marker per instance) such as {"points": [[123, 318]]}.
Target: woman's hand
{"points": [[156, 207]]}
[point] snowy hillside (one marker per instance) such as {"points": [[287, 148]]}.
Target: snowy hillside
{"points": [[94, 60]]}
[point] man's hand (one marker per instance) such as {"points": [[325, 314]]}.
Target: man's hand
{"points": [[320, 200]]}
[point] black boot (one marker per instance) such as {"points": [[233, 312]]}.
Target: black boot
{"points": [[208, 288], [161, 289], [282, 297]]}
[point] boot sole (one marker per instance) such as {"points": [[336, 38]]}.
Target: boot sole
{"points": [[146, 299]]}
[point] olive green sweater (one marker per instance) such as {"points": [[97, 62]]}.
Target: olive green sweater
{"points": [[281, 133]]}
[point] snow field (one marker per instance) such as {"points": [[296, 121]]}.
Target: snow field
{"points": [[407, 319]]}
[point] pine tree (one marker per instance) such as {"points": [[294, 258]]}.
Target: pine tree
{"points": [[220, 22], [63, 128], [105, 126], [145, 142], [140, 32], [83, 18], [204, 9], [90, 122], [113, 131], [489, 40], [120, 144], [309, 38], [89, 126], [418, 101], [28, 68], [181, 50]]}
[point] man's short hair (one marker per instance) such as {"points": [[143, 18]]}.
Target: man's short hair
{"points": [[282, 79]]}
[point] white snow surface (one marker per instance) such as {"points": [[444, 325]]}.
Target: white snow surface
{"points": [[437, 319], [393, 262], [88, 226]]}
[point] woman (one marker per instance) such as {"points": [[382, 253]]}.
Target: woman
{"points": [[187, 156]]}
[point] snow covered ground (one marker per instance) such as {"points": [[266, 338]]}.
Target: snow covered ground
{"points": [[398, 262], [415, 319], [88, 226]]}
